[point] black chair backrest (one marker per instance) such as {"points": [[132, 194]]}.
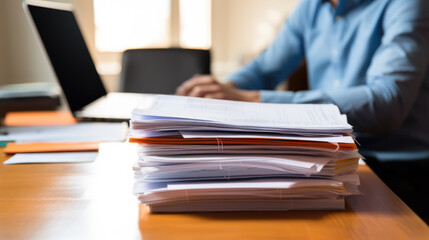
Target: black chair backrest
{"points": [[161, 70], [298, 80]]}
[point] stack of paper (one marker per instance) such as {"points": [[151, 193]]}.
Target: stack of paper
{"points": [[52, 144], [214, 155]]}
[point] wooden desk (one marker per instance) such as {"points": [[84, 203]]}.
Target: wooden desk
{"points": [[94, 201]]}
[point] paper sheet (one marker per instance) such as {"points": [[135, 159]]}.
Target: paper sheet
{"points": [[218, 134], [71, 157], [39, 118], [70, 133], [305, 116], [262, 183], [50, 147]]}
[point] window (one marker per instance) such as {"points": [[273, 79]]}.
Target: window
{"points": [[195, 22], [124, 24]]}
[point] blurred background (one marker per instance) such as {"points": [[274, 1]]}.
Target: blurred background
{"points": [[234, 30]]}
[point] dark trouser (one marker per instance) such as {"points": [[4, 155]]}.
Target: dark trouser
{"points": [[407, 179]]}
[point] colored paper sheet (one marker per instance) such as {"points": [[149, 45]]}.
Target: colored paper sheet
{"points": [[50, 147], [39, 118], [242, 141]]}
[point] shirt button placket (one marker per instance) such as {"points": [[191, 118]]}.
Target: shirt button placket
{"points": [[335, 52], [336, 83]]}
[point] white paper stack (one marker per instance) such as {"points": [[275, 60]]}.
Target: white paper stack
{"points": [[200, 154]]}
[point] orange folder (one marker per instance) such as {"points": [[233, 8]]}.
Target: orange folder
{"points": [[241, 141], [51, 147], [39, 118]]}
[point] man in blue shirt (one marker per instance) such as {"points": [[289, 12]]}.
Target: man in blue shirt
{"points": [[369, 57]]}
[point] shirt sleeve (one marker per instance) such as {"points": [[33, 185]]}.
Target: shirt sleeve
{"points": [[276, 62], [396, 72], [393, 79]]}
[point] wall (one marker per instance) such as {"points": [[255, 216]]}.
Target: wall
{"points": [[2, 45], [21, 53], [24, 58], [241, 29]]}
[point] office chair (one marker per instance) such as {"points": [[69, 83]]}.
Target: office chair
{"points": [[161, 70]]}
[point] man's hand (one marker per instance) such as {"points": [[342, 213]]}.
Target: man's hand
{"points": [[207, 87]]}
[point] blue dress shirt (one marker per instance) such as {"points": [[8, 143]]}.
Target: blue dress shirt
{"points": [[369, 57]]}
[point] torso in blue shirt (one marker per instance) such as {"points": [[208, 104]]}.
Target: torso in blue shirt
{"points": [[369, 57]]}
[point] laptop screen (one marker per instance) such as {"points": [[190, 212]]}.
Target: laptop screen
{"points": [[69, 56]]}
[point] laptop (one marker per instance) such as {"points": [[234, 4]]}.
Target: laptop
{"points": [[86, 96]]}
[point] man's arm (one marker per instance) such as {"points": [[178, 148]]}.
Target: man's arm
{"points": [[393, 79], [207, 86]]}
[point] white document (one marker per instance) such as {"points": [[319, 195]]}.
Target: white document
{"points": [[218, 134], [70, 133], [169, 150], [224, 170], [235, 113], [262, 183], [211, 167], [69, 157], [290, 160]]}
